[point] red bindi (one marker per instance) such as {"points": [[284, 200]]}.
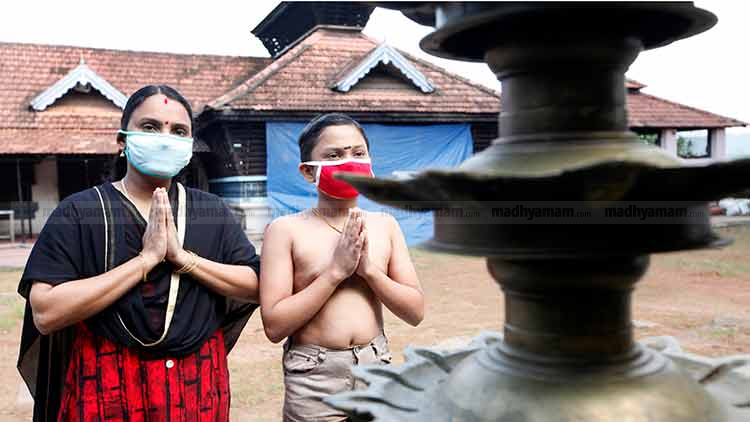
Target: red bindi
{"points": [[166, 123], [166, 101]]}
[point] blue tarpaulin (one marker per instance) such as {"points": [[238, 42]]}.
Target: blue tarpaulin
{"points": [[392, 148]]}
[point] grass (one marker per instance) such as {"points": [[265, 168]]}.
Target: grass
{"points": [[11, 312], [9, 280], [11, 304], [721, 332]]}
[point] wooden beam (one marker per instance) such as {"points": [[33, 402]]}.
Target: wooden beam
{"points": [[379, 117]]}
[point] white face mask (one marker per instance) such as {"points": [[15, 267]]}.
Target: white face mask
{"points": [[157, 154]]}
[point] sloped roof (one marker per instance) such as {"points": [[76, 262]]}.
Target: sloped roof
{"points": [[301, 80], [633, 84], [34, 141], [27, 70], [649, 111], [384, 55], [645, 110], [84, 77]]}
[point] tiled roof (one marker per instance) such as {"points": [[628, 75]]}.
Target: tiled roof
{"points": [[301, 80], [35, 141], [383, 55], [82, 77], [646, 110], [633, 84], [26, 70]]}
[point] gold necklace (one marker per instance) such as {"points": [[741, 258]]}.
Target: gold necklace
{"points": [[317, 213], [125, 190], [127, 195]]}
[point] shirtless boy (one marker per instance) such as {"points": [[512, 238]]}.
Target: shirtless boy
{"points": [[328, 271]]}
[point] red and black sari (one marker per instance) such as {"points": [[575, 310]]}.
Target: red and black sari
{"points": [[95, 370]]}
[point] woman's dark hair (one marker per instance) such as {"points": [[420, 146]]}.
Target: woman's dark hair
{"points": [[310, 135], [142, 94], [119, 165]]}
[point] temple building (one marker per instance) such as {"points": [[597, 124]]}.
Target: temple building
{"points": [[60, 109]]}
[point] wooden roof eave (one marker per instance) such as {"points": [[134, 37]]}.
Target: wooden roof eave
{"points": [[234, 115]]}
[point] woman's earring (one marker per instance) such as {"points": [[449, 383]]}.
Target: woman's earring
{"points": [[122, 153]]}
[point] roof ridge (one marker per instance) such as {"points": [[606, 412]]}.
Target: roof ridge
{"points": [[80, 74], [351, 64], [257, 79], [301, 40], [376, 57], [437, 68], [373, 40], [286, 56], [639, 85], [741, 123], [99, 49]]}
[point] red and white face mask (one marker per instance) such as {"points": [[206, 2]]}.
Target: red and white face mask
{"points": [[335, 188]]}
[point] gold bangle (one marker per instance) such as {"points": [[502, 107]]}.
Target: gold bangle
{"points": [[144, 279], [190, 269], [182, 269], [194, 264], [190, 266]]}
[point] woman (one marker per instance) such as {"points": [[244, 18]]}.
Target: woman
{"points": [[128, 316]]}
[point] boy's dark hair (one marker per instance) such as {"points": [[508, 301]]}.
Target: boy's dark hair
{"points": [[310, 135]]}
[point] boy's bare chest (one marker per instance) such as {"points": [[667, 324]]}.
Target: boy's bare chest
{"points": [[313, 251]]}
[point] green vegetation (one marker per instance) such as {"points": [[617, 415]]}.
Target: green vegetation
{"points": [[649, 138], [11, 304]]}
